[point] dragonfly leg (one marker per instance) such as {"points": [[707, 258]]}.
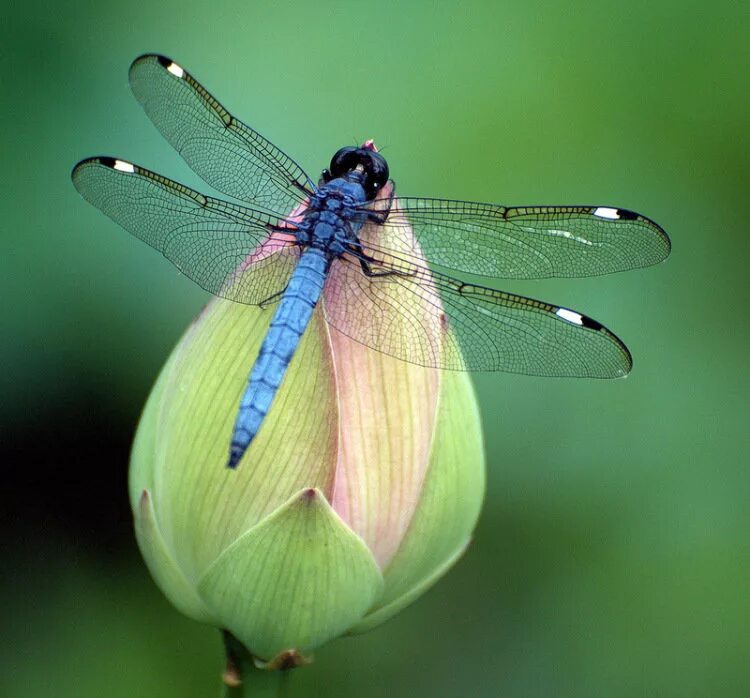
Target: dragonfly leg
{"points": [[381, 216], [271, 299], [367, 269], [366, 261]]}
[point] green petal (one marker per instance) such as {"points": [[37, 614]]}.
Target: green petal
{"points": [[299, 578], [142, 455], [163, 567], [449, 506], [201, 505], [165, 571], [383, 613]]}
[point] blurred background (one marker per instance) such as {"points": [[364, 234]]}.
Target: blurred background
{"points": [[613, 554]]}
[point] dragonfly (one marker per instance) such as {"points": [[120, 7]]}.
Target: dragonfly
{"points": [[385, 265]]}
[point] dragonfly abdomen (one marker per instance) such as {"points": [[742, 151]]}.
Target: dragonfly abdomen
{"points": [[282, 339]]}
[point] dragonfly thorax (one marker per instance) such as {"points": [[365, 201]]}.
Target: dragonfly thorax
{"points": [[348, 190], [332, 219]]}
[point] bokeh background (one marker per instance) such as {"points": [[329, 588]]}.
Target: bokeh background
{"points": [[613, 554]]}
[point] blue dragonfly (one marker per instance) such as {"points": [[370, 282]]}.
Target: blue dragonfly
{"points": [[351, 240]]}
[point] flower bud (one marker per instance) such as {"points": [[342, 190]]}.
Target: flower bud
{"points": [[360, 490]]}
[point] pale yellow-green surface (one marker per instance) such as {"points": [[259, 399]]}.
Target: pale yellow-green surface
{"points": [[612, 555], [350, 504]]}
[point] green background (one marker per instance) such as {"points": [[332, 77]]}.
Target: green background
{"points": [[612, 556]]}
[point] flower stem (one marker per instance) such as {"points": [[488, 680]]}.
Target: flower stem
{"points": [[259, 683], [243, 679]]}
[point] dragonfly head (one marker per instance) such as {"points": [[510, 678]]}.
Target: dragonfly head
{"points": [[362, 164]]}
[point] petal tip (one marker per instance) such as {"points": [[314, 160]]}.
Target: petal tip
{"points": [[143, 503]]}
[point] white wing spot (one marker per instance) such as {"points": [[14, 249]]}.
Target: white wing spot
{"points": [[124, 166], [605, 212], [175, 70], [570, 316]]}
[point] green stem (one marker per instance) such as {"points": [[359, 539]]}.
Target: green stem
{"points": [[258, 683], [252, 682]]}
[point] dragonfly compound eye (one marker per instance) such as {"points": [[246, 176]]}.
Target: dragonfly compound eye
{"points": [[376, 169], [372, 163], [345, 160]]}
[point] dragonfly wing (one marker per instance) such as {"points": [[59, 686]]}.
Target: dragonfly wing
{"points": [[433, 320], [223, 151], [531, 242], [232, 251]]}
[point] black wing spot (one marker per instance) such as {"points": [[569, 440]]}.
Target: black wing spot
{"points": [[626, 215], [590, 323]]}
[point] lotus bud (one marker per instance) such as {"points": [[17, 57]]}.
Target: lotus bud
{"points": [[361, 489]]}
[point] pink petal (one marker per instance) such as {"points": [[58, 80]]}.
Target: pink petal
{"points": [[387, 410]]}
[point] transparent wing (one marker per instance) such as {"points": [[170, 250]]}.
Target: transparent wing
{"points": [[224, 152], [232, 251], [531, 242], [430, 319]]}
